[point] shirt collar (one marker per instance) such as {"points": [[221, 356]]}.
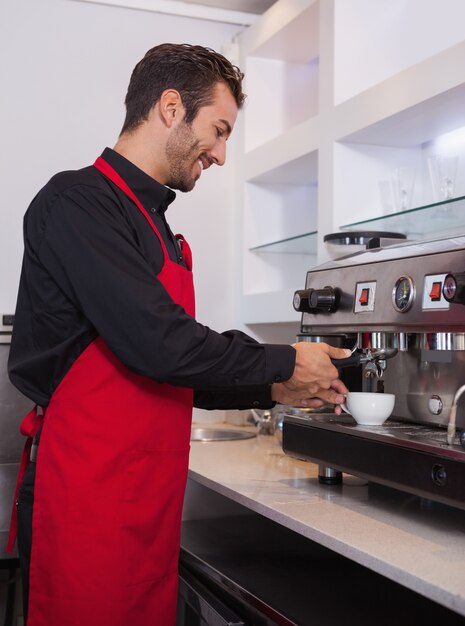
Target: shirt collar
{"points": [[150, 192]]}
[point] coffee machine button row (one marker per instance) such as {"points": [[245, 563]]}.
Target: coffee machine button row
{"points": [[316, 300], [454, 288]]}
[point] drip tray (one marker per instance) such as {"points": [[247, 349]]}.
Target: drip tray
{"points": [[406, 456], [219, 434], [408, 434]]}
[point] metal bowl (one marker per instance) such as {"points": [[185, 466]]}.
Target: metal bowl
{"points": [[344, 243]]}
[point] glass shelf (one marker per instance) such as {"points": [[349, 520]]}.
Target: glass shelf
{"points": [[447, 217], [300, 244]]}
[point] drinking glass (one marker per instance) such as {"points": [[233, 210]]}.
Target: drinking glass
{"points": [[402, 180], [442, 172]]}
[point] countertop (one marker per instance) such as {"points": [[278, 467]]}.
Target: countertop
{"points": [[417, 543]]}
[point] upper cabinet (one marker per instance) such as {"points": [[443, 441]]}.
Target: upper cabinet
{"points": [[280, 57], [355, 119], [282, 70]]}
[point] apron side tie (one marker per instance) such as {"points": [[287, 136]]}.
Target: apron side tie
{"points": [[30, 426]]}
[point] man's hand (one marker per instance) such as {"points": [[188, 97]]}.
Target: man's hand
{"points": [[313, 368], [315, 379], [334, 395]]}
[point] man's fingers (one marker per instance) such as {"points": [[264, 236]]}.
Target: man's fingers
{"points": [[338, 353]]}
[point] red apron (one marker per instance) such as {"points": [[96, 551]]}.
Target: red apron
{"points": [[111, 473]]}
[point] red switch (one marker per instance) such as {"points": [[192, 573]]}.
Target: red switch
{"points": [[435, 293], [364, 296]]}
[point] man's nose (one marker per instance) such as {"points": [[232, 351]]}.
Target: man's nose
{"points": [[218, 154]]}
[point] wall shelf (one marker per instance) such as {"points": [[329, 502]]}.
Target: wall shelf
{"points": [[291, 158], [300, 244], [440, 218], [391, 113], [288, 31]]}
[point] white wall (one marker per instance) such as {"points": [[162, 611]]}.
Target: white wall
{"points": [[64, 71]]}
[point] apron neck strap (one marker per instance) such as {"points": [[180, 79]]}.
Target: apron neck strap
{"points": [[107, 170]]}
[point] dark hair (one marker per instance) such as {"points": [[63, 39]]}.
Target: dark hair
{"points": [[191, 70]]}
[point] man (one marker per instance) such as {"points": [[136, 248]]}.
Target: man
{"points": [[106, 343]]}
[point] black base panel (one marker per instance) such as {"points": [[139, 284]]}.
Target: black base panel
{"points": [[426, 475]]}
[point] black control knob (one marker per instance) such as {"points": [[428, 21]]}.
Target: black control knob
{"points": [[301, 300], [453, 288], [316, 300], [439, 475], [323, 300]]}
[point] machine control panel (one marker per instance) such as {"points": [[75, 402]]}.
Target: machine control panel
{"points": [[433, 296], [418, 287], [365, 297]]}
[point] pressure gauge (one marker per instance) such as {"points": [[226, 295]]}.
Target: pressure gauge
{"points": [[403, 294]]}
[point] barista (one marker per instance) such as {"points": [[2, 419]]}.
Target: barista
{"points": [[106, 342]]}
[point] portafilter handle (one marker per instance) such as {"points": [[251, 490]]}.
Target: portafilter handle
{"points": [[357, 358]]}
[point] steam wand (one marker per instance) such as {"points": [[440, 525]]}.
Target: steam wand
{"points": [[452, 416]]}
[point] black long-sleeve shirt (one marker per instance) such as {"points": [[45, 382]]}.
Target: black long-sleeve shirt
{"points": [[90, 268]]}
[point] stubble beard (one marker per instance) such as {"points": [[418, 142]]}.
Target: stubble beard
{"points": [[181, 153]]}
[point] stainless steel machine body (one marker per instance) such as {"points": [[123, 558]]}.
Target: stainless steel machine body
{"points": [[402, 310]]}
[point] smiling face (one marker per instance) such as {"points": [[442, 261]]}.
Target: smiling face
{"points": [[192, 148]]}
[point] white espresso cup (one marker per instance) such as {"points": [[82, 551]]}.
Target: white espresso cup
{"points": [[369, 409]]}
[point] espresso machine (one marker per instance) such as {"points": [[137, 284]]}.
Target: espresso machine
{"points": [[401, 311]]}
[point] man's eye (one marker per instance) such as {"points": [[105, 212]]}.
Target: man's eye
{"points": [[219, 132]]}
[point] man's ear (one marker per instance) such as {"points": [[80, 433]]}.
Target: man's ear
{"points": [[171, 108]]}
